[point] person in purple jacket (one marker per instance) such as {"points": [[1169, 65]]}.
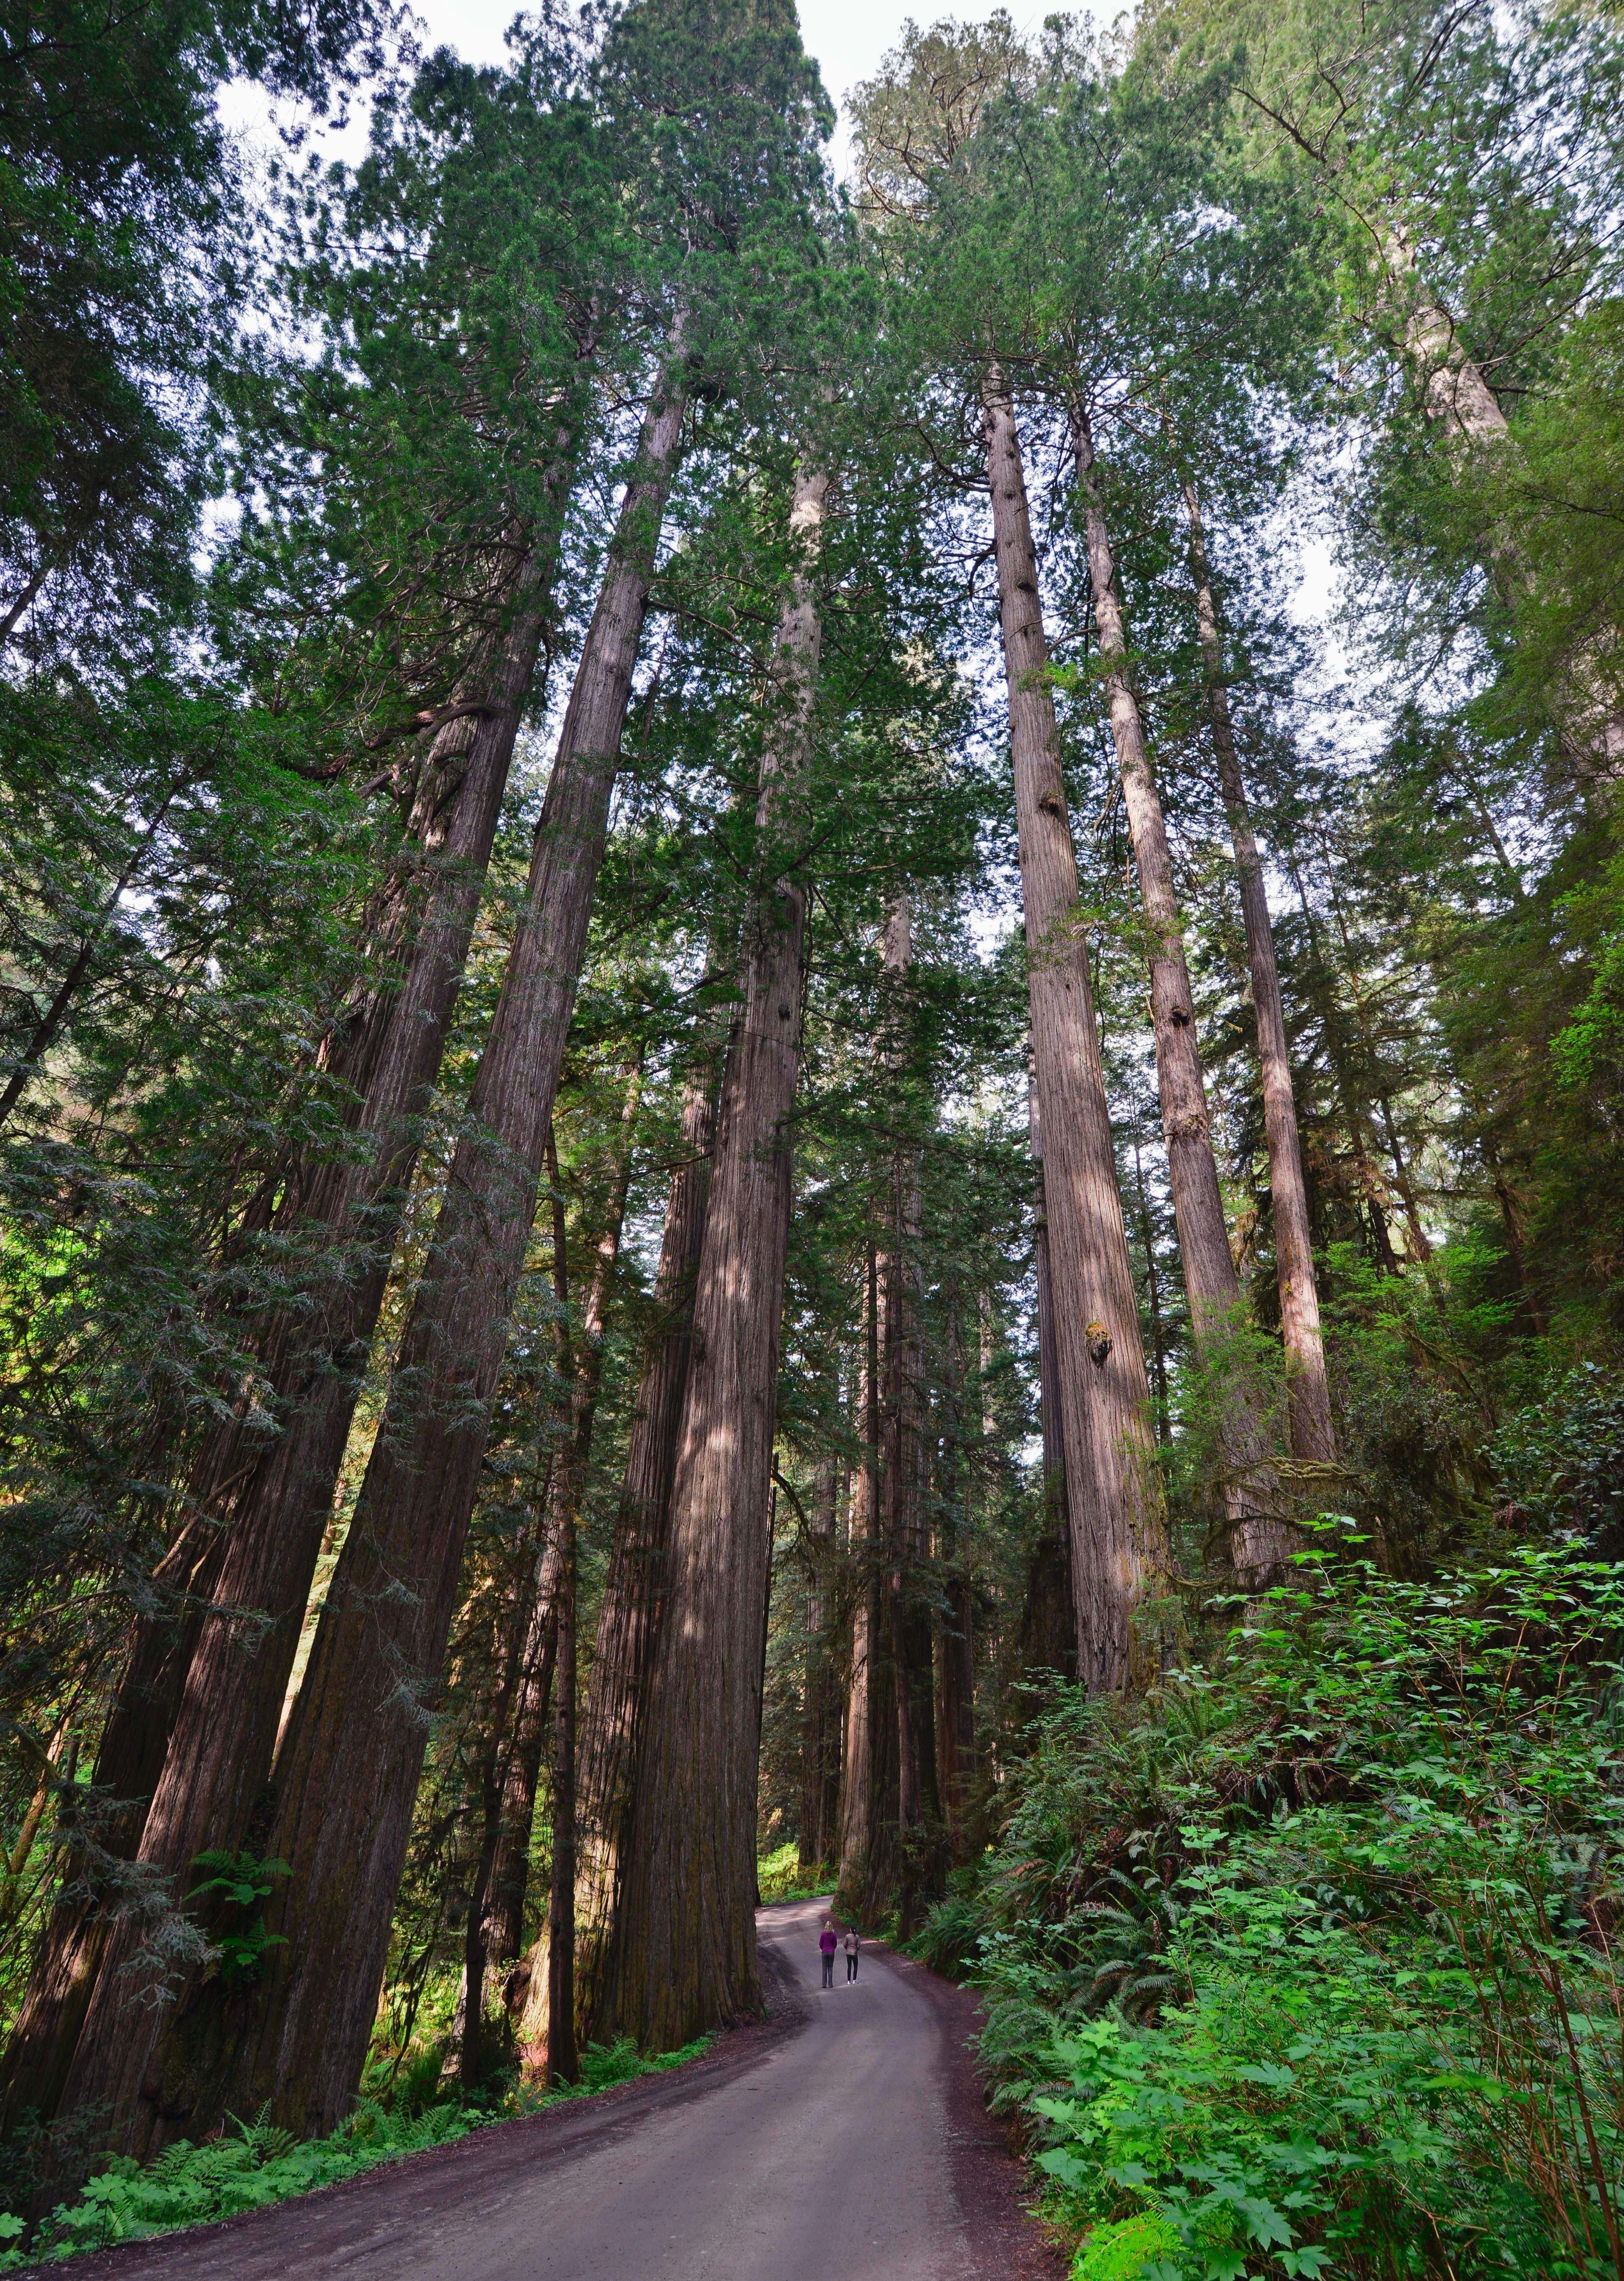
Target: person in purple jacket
{"points": [[828, 1943]]}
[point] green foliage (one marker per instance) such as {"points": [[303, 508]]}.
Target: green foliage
{"points": [[778, 1876], [248, 2168], [1305, 1966], [241, 1882], [251, 2166]]}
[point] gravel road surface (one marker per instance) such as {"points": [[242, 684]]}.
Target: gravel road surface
{"points": [[844, 2141]]}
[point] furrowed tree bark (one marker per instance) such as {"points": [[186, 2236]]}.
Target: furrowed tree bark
{"points": [[1048, 1615], [379, 1647], [276, 1487], [1113, 1494], [820, 1752], [918, 1797], [867, 1810], [956, 1722], [687, 1950], [510, 1866], [1313, 1432], [628, 1620], [562, 2067], [1153, 1295], [1260, 1539], [580, 1364], [347, 1769]]}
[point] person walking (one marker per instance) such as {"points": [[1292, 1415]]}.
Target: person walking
{"points": [[852, 1946], [827, 1942]]}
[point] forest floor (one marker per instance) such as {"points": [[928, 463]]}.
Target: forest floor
{"points": [[843, 2139]]}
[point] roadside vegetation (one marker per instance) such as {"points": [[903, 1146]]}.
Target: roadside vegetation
{"points": [[1307, 1963], [250, 2166]]}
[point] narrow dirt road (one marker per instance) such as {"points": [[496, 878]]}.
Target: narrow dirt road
{"points": [[842, 2142]]}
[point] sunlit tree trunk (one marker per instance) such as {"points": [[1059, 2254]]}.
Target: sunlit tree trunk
{"points": [[275, 1493], [1113, 1492], [685, 1956], [347, 1849], [1260, 1538], [1313, 1435], [347, 1768]]}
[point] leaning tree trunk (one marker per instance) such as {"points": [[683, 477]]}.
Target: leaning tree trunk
{"points": [[1260, 1538], [628, 1618], [260, 1494], [1113, 1490], [685, 1957], [277, 1499], [1313, 1434], [347, 1769], [347, 1846]]}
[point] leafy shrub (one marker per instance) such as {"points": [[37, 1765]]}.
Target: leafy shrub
{"points": [[778, 1876], [1305, 1966], [191, 2186]]}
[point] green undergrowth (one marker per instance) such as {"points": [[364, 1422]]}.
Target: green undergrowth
{"points": [[1306, 1965], [779, 1877], [251, 2166]]}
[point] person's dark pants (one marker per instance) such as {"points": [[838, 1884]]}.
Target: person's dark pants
{"points": [[829, 1972], [851, 1967]]}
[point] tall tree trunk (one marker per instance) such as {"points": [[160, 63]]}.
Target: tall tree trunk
{"points": [[580, 1367], [628, 1620], [819, 1711], [687, 1950], [562, 2067], [918, 1798], [956, 1720], [1113, 1491], [1313, 1434], [1260, 1539], [1048, 1616], [1153, 1295], [411, 1517], [508, 1884], [1372, 1187], [469, 2021], [363, 1705], [276, 1492], [867, 1881]]}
